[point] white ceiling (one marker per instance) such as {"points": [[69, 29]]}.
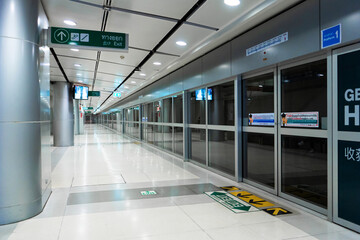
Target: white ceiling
{"points": [[147, 22]]}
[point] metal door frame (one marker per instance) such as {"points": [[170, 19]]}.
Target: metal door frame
{"points": [[267, 130], [325, 134]]}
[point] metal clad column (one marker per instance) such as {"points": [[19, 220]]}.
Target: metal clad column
{"points": [[20, 134], [63, 115]]}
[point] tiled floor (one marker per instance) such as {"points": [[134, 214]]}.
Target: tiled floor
{"points": [[94, 197]]}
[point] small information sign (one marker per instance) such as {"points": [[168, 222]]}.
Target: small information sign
{"points": [[331, 36], [145, 193], [94, 93], [231, 202], [261, 119]]}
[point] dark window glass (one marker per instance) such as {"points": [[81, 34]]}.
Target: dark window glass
{"points": [[258, 156], [147, 115], [168, 138], [221, 104], [167, 110], [304, 168], [304, 89], [197, 106], [136, 114], [258, 96], [179, 140], [158, 136], [198, 145], [178, 109], [157, 111], [222, 151]]}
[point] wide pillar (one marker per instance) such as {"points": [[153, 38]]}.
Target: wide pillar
{"points": [[20, 123], [76, 117], [63, 121]]}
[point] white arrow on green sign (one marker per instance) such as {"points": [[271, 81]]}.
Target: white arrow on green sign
{"points": [[88, 39], [234, 204]]}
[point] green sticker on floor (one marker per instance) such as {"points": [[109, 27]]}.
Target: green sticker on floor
{"points": [[231, 202], [145, 193], [276, 211]]}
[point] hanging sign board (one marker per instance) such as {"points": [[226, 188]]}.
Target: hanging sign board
{"points": [[261, 119], [88, 39], [300, 119]]}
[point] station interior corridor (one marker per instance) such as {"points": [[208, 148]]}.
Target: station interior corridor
{"points": [[97, 187]]}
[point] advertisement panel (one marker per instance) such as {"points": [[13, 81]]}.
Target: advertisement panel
{"points": [[300, 119], [261, 119]]}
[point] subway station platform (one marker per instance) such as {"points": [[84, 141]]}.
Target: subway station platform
{"points": [[109, 186]]}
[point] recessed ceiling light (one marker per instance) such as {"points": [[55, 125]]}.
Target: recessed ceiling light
{"points": [[232, 3], [181, 43], [79, 74], [70, 22], [80, 81], [260, 86], [77, 65], [142, 74], [126, 87], [157, 63], [74, 49], [133, 82]]}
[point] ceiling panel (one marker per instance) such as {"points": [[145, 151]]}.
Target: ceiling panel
{"points": [[132, 58], [144, 32], [224, 13], [150, 69], [80, 54], [109, 77], [174, 9], [117, 69], [189, 34], [86, 17]]}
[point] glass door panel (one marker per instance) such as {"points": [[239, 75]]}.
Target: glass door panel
{"points": [[303, 148], [258, 131]]}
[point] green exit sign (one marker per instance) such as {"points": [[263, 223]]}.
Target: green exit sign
{"points": [[88, 108], [89, 39], [94, 93]]}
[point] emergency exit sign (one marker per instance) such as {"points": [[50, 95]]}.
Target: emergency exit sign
{"points": [[88, 39]]}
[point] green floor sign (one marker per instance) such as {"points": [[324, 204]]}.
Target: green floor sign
{"points": [[231, 202], [145, 193]]}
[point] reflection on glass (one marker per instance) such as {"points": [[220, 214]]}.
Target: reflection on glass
{"points": [[198, 145], [304, 168], [258, 96], [304, 89], [157, 111], [221, 104], [167, 110], [197, 109], [168, 138], [222, 151], [158, 136], [136, 130], [149, 134], [178, 109], [179, 140], [258, 156]]}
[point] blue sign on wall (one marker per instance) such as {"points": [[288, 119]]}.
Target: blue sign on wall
{"points": [[331, 36]]}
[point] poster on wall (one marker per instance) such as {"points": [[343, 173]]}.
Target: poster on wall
{"points": [[349, 92], [261, 119], [348, 180], [300, 119]]}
